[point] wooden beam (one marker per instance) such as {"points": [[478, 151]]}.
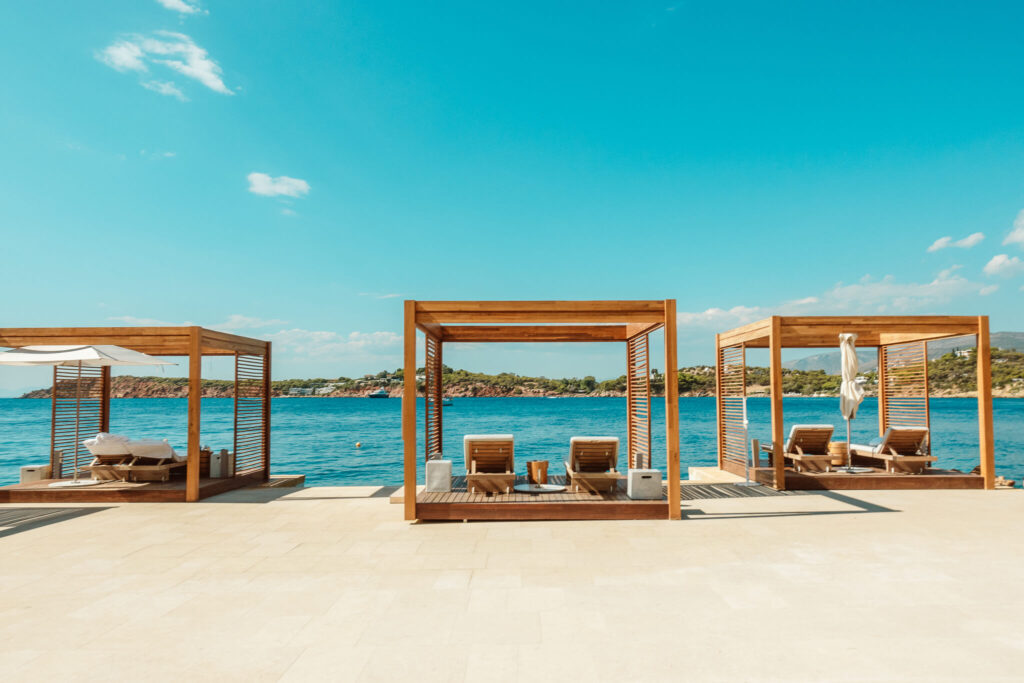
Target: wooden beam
{"points": [[672, 410], [533, 333], [153, 340], [775, 375], [496, 312], [409, 411], [195, 394], [986, 442], [752, 334], [636, 329], [430, 329]]}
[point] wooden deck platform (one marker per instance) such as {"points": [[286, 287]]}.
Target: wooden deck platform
{"points": [[121, 492], [460, 504], [878, 479]]}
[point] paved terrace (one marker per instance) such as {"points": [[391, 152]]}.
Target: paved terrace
{"points": [[330, 584]]}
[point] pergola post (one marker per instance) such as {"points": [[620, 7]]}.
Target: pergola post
{"points": [[985, 429], [775, 374], [409, 411], [718, 400], [105, 399], [195, 396], [672, 410]]}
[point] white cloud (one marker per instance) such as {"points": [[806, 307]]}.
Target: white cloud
{"points": [[182, 6], [322, 344], [140, 322], [965, 243], [263, 184], [377, 295], [123, 56], [165, 88], [287, 212], [176, 51], [990, 289], [237, 321], [1004, 265], [1016, 235]]}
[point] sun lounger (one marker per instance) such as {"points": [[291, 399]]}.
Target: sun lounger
{"points": [[119, 458], [593, 463], [901, 449], [807, 447], [490, 463]]}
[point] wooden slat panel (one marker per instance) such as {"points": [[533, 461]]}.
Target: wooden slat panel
{"points": [[732, 393], [638, 394], [251, 415], [433, 398], [904, 386], [77, 413]]}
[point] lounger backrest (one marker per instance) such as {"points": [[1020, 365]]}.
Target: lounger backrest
{"points": [[812, 439], [905, 440], [490, 452], [593, 454]]}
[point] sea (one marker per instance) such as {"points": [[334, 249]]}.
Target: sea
{"points": [[357, 441]]}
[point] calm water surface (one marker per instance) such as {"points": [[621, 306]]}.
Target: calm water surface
{"points": [[317, 436]]}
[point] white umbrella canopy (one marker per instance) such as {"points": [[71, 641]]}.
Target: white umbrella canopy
{"points": [[98, 356], [850, 394]]}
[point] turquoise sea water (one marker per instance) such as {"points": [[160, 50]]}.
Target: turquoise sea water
{"points": [[317, 436]]}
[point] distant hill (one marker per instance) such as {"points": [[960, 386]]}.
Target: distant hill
{"points": [[830, 362]]}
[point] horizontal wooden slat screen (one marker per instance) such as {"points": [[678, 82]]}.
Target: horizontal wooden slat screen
{"points": [[78, 408], [732, 396], [904, 385], [250, 414], [432, 397], [638, 402]]}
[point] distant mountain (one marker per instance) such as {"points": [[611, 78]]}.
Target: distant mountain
{"points": [[830, 362]]}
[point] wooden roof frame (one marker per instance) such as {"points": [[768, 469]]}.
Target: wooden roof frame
{"points": [[809, 332], [543, 322], [192, 341]]}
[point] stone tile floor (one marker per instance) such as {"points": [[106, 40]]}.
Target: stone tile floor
{"points": [[331, 584]]}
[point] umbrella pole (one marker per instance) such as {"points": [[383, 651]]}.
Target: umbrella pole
{"points": [[849, 452]]}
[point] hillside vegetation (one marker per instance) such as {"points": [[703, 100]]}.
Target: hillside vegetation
{"points": [[949, 375]]}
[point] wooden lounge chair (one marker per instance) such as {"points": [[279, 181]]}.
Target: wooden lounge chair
{"points": [[103, 467], [592, 464], [807, 447], [901, 449], [148, 469], [490, 463]]}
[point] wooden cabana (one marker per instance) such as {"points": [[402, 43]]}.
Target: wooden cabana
{"points": [[626, 322], [903, 392], [251, 443]]}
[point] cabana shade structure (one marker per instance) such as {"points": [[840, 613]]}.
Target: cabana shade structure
{"points": [[627, 322], [251, 395], [902, 343]]}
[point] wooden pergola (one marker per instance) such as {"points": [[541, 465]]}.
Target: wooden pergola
{"points": [[251, 402], [627, 322], [902, 343]]}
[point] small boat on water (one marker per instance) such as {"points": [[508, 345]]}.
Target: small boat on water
{"points": [[380, 393], [446, 402]]}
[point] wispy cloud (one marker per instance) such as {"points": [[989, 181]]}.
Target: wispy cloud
{"points": [[175, 51], [281, 186], [288, 212], [1016, 234], [323, 344], [237, 321], [377, 295], [1004, 265], [136, 321], [965, 243], [183, 6]]}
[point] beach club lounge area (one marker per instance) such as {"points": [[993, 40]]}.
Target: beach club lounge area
{"points": [[81, 468], [477, 479], [817, 456]]}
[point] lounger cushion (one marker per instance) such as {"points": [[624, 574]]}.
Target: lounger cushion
{"points": [[107, 444], [152, 448]]}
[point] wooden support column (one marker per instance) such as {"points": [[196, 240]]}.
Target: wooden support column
{"points": [[985, 429], [105, 399], [672, 410], [775, 375], [718, 401], [881, 396], [409, 411], [195, 397], [266, 414]]}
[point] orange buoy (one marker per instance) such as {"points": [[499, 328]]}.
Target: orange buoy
{"points": [[359, 444]]}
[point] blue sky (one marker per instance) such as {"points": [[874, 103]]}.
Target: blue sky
{"points": [[294, 170]]}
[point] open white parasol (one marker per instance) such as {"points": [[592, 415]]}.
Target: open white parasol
{"points": [[98, 356]]}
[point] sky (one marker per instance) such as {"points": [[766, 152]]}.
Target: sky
{"points": [[293, 171]]}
